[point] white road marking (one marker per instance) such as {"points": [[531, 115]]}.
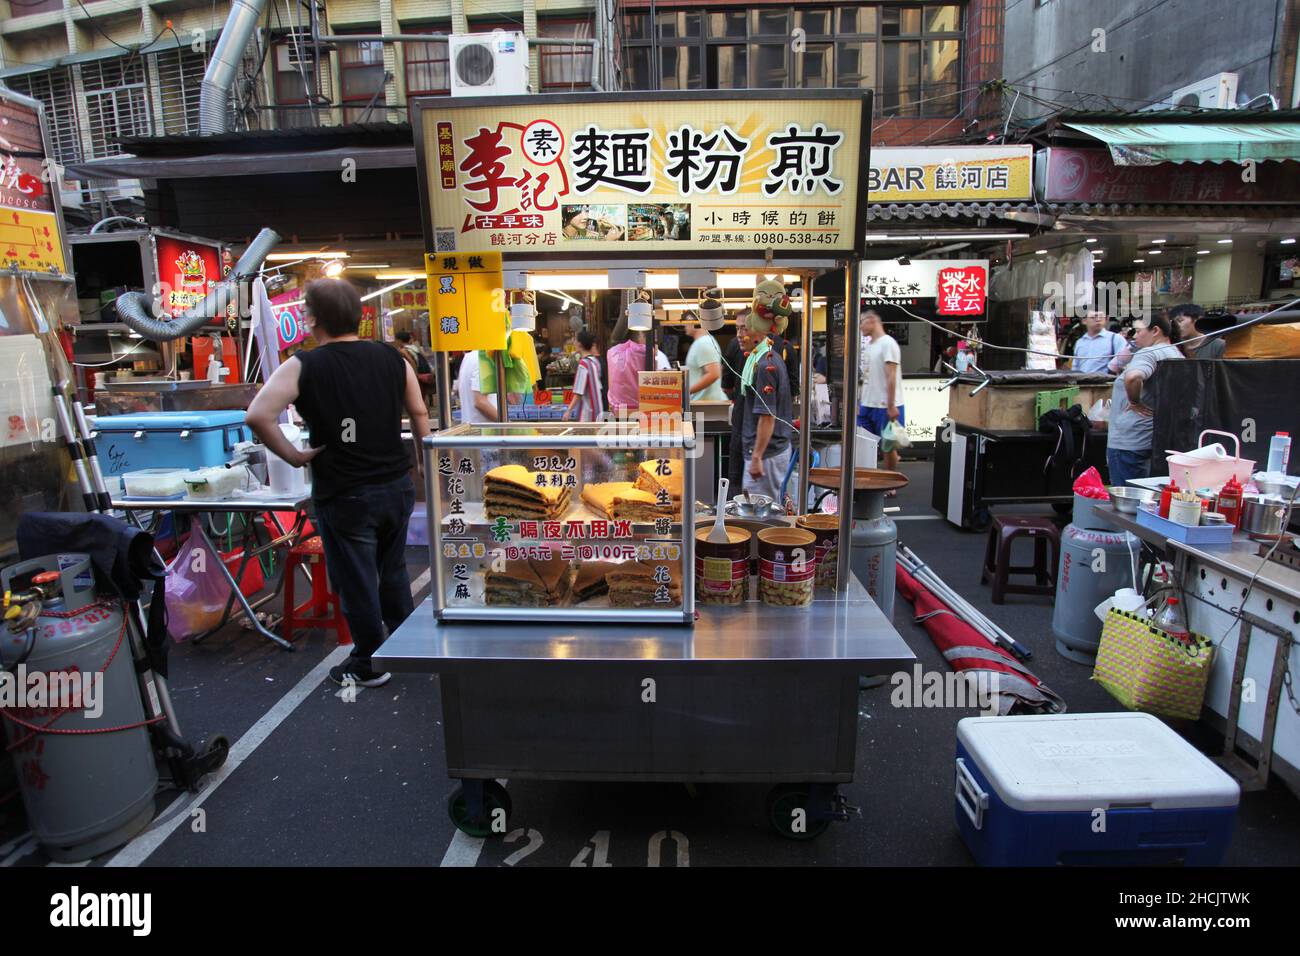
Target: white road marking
{"points": [[464, 849], [143, 846], [26, 845]]}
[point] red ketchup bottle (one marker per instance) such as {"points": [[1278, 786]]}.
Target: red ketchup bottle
{"points": [[1167, 495], [1230, 501]]}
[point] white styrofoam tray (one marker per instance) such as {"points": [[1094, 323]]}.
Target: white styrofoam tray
{"points": [[1079, 762]]}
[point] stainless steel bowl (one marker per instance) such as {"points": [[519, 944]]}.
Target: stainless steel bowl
{"points": [[1264, 514], [1127, 500], [750, 506], [1273, 487]]}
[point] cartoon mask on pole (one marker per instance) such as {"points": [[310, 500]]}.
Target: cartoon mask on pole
{"points": [[772, 307]]}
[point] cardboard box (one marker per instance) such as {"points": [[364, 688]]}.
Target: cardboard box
{"points": [[1265, 342], [1008, 407]]}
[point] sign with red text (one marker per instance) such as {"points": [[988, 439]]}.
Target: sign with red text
{"points": [[653, 174]]}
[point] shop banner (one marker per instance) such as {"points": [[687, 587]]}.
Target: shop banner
{"points": [[286, 309], [187, 271], [1089, 176], [29, 222], [563, 174], [959, 287], [951, 174], [467, 303]]}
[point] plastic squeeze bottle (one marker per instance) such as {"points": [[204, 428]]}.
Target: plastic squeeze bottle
{"points": [[1230, 501], [1279, 452]]}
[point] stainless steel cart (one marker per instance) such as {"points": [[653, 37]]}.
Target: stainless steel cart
{"points": [[752, 693]]}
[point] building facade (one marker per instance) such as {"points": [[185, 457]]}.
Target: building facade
{"points": [[1125, 55]]}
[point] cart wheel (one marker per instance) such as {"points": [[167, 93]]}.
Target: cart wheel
{"points": [[783, 802], [980, 520], [214, 754], [495, 797]]}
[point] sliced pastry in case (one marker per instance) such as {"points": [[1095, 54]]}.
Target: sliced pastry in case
{"points": [[530, 583], [623, 499], [512, 491], [638, 584]]}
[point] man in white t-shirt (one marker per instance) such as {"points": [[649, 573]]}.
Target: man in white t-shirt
{"points": [[475, 404], [704, 365], [879, 358]]}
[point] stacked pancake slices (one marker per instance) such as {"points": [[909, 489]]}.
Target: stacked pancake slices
{"points": [[638, 583], [661, 474], [531, 583], [623, 499], [512, 491]]}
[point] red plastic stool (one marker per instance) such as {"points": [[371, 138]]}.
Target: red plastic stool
{"points": [[323, 609]]}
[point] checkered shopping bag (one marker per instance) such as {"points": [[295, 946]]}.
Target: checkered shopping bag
{"points": [[1146, 669]]}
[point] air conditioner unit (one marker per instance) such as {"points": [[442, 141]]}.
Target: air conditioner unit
{"points": [[1218, 92], [489, 64], [294, 52]]}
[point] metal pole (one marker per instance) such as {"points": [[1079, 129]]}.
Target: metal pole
{"points": [[848, 414], [502, 413], [442, 382], [805, 393]]}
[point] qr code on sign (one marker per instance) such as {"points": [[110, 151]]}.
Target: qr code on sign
{"points": [[444, 240]]}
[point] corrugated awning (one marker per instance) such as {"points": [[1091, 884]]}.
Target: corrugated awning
{"points": [[1148, 143]]}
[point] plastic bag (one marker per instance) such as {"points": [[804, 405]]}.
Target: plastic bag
{"points": [[894, 435], [196, 591], [1090, 485]]}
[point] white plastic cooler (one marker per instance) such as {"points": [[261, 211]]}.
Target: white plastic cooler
{"points": [[1089, 789]]}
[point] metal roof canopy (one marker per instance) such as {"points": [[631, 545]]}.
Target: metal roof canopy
{"points": [[1147, 144], [1180, 136], [244, 164]]}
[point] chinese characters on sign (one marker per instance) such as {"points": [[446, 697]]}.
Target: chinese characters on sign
{"points": [[467, 306], [961, 291], [950, 174], [665, 174], [956, 286], [29, 226]]}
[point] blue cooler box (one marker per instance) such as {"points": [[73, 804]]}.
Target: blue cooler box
{"points": [[167, 440], [1030, 790]]}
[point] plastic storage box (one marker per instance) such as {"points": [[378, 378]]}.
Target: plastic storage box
{"points": [[185, 440], [1089, 789]]}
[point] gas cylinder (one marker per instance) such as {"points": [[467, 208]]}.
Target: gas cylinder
{"points": [[874, 548], [1094, 564], [88, 792]]}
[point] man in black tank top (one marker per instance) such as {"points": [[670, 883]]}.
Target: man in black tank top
{"points": [[351, 394]]}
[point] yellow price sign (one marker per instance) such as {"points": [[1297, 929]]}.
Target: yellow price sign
{"points": [[467, 304]]}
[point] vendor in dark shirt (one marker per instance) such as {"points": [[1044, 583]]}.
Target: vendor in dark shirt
{"points": [[765, 411], [352, 394]]}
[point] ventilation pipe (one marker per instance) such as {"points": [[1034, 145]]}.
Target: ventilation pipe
{"points": [[133, 307], [214, 92]]}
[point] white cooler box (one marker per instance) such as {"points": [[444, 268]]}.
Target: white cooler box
{"points": [[1089, 789]]}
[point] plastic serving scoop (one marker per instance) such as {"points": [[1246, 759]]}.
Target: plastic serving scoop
{"points": [[719, 533]]}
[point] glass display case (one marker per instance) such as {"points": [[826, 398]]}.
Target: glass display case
{"points": [[562, 521]]}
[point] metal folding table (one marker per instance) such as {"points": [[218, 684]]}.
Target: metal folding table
{"points": [[252, 549]]}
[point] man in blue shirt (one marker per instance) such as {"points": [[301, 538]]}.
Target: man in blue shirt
{"points": [[1097, 346]]}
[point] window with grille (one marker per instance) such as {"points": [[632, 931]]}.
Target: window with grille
{"points": [[117, 102], [909, 53], [427, 72], [54, 89], [361, 79], [295, 82], [565, 68], [180, 76]]}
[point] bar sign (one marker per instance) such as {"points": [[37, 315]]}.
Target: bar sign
{"points": [[446, 156]]}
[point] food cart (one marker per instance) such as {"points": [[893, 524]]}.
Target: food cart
{"points": [[564, 621]]}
